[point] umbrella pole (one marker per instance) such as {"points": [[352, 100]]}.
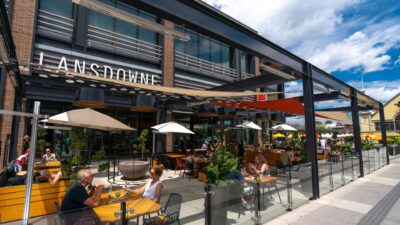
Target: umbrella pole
{"points": [[154, 146]]}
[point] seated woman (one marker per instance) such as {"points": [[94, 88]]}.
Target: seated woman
{"points": [[152, 190], [49, 156], [261, 167]]}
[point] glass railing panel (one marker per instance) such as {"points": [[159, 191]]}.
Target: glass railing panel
{"points": [[301, 184], [348, 169], [336, 165], [356, 164], [325, 176], [273, 196], [366, 162], [372, 159], [241, 203]]}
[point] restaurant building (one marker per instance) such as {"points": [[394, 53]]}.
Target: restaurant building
{"points": [[70, 37], [131, 60], [181, 44]]}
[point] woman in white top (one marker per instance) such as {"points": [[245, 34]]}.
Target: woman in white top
{"points": [[152, 190], [49, 156]]}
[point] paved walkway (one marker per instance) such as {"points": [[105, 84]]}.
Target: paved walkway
{"points": [[374, 199]]}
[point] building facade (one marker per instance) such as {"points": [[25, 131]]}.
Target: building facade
{"points": [[69, 37]]}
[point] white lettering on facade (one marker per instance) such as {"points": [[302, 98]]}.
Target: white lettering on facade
{"points": [[93, 69], [144, 78], [153, 79], [133, 76], [63, 64], [121, 71], [78, 67], [41, 59], [108, 71]]}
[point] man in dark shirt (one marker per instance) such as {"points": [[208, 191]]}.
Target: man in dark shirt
{"points": [[77, 197]]}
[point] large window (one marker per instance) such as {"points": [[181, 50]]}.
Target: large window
{"points": [[121, 27], [204, 48], [58, 7], [245, 62], [390, 126]]}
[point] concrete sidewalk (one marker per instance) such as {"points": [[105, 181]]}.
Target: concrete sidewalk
{"points": [[373, 199]]}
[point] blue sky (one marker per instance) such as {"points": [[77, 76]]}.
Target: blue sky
{"points": [[348, 38]]}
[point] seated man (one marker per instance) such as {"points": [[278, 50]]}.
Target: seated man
{"points": [[49, 156], [78, 198]]}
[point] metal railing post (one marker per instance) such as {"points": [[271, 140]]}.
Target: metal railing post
{"points": [[343, 181], [28, 191], [352, 168], [289, 191], [330, 174]]}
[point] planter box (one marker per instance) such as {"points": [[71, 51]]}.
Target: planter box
{"points": [[133, 170]]}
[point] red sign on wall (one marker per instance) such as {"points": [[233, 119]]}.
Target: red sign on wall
{"points": [[261, 97]]}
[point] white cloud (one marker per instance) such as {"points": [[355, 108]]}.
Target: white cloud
{"points": [[289, 22], [379, 90], [363, 51], [316, 31]]}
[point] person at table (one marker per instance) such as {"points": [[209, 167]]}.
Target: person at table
{"points": [[152, 190], [77, 197], [49, 156], [26, 143], [261, 167], [183, 144], [22, 160]]}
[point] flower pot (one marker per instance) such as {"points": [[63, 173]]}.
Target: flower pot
{"points": [[133, 170]]}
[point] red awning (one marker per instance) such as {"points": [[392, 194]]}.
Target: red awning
{"points": [[286, 105]]}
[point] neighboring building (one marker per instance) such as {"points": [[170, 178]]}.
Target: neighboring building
{"points": [[392, 117], [366, 124]]}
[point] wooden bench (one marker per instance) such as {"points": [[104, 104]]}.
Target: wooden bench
{"points": [[43, 197]]}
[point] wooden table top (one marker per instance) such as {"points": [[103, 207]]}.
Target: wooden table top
{"points": [[174, 155], [141, 206], [47, 164]]}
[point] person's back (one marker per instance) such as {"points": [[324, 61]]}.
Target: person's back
{"points": [[75, 198]]}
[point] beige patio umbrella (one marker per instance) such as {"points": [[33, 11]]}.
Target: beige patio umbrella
{"points": [[87, 118]]}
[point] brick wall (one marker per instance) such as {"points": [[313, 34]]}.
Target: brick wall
{"points": [[22, 25], [22, 30]]}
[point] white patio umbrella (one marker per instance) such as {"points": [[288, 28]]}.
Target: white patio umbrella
{"points": [[283, 127], [168, 127], [249, 125], [87, 118]]}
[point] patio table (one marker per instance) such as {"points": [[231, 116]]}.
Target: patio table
{"points": [[46, 165], [141, 206]]}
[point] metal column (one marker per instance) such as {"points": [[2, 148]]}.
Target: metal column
{"points": [[356, 128], [309, 115], [383, 129], [28, 191]]}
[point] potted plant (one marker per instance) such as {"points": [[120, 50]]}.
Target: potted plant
{"points": [[221, 188], [136, 169], [345, 150], [41, 143]]}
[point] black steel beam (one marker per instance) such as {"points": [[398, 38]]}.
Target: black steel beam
{"points": [[251, 83], [356, 129], [347, 108], [324, 97], [383, 129], [309, 116]]}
